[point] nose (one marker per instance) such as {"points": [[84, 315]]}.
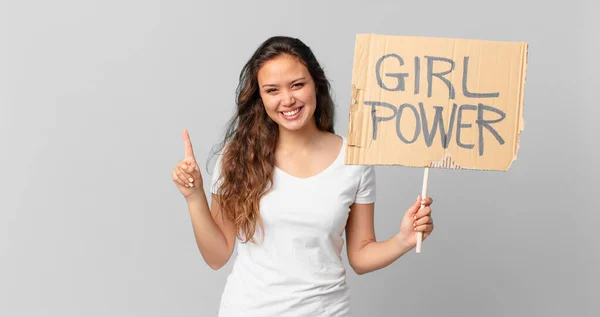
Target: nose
{"points": [[287, 99]]}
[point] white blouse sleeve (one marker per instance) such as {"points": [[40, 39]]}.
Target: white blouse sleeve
{"points": [[215, 182], [365, 193]]}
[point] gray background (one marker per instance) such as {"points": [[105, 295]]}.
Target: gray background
{"points": [[94, 95]]}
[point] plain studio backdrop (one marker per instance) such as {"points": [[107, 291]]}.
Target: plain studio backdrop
{"points": [[94, 95]]}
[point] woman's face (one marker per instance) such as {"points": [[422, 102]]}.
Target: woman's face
{"points": [[288, 92]]}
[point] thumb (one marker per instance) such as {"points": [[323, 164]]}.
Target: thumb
{"points": [[412, 210], [191, 162]]}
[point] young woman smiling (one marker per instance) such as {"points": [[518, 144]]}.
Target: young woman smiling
{"points": [[282, 193]]}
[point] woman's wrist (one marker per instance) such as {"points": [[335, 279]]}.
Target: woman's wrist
{"points": [[402, 243], [195, 198]]}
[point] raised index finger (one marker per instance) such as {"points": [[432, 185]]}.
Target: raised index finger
{"points": [[189, 151]]}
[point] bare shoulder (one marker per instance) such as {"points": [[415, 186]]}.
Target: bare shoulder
{"points": [[333, 142]]}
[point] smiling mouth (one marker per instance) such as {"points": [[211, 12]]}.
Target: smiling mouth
{"points": [[291, 113]]}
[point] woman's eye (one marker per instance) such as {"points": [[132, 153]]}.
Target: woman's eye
{"points": [[270, 90], [298, 85]]}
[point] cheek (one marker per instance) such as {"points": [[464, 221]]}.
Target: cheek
{"points": [[308, 96], [269, 102]]}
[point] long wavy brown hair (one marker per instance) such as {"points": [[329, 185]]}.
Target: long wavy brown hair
{"points": [[248, 148]]}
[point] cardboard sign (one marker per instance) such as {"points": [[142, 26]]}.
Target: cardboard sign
{"points": [[435, 102]]}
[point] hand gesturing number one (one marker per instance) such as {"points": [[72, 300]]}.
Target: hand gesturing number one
{"points": [[186, 173], [190, 160]]}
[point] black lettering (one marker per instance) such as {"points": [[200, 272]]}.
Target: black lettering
{"points": [[417, 74], [417, 123], [482, 123], [430, 74], [460, 125], [438, 119], [466, 90], [377, 119], [399, 76]]}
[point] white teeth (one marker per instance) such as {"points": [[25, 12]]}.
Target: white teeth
{"points": [[291, 113]]}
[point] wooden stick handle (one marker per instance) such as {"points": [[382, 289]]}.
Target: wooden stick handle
{"points": [[423, 196]]}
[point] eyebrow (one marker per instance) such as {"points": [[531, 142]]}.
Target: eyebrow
{"points": [[293, 81]]}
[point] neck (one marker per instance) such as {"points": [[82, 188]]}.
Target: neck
{"points": [[304, 138]]}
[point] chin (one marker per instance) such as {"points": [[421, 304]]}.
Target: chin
{"points": [[292, 126]]}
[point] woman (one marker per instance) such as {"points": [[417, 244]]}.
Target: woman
{"points": [[282, 189]]}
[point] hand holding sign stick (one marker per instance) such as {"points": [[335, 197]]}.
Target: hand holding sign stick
{"points": [[406, 88], [423, 194]]}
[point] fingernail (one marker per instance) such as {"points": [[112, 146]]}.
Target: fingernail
{"points": [[191, 185], [184, 166], [191, 179]]}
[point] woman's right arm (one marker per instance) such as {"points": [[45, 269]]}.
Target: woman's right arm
{"points": [[215, 235]]}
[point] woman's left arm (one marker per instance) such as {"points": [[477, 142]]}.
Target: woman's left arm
{"points": [[366, 254]]}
